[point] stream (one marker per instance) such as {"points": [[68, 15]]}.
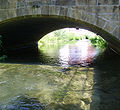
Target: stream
{"points": [[61, 77]]}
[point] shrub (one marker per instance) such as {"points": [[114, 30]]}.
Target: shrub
{"points": [[2, 56]]}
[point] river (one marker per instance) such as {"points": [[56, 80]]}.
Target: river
{"points": [[61, 77]]}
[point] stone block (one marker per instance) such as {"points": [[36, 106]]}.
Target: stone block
{"points": [[36, 11], [54, 10], [42, 2], [22, 4], [20, 12], [63, 11], [117, 23], [80, 8], [66, 2], [70, 12], [30, 11], [35, 4], [53, 2], [4, 4], [110, 17], [92, 9], [84, 16], [91, 19], [77, 11], [12, 4], [45, 1], [86, 2], [24, 11], [3, 14], [116, 32], [11, 13], [100, 22], [45, 10], [103, 9], [76, 14], [110, 27], [73, 13], [108, 2]]}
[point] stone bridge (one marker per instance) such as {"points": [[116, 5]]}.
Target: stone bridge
{"points": [[24, 22]]}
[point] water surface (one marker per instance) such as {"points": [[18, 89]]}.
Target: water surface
{"points": [[63, 77]]}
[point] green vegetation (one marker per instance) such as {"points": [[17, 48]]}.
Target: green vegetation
{"points": [[97, 41], [65, 36], [2, 56], [0, 41]]}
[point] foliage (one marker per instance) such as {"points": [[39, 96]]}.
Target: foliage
{"points": [[97, 41], [2, 56], [63, 36], [0, 41]]}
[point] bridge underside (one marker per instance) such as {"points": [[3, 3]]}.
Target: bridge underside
{"points": [[25, 32]]}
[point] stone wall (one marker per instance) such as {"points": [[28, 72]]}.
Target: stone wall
{"points": [[101, 13]]}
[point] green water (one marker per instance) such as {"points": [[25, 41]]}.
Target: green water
{"points": [[48, 86], [53, 88]]}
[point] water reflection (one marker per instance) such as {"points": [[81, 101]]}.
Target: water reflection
{"points": [[45, 86], [52, 87], [82, 53]]}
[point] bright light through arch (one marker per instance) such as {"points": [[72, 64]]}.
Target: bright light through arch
{"points": [[78, 45], [72, 34]]}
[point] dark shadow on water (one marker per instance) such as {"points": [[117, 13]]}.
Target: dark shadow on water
{"points": [[66, 88], [28, 57], [107, 82], [67, 107]]}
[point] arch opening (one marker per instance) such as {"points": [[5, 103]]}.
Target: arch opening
{"points": [[72, 47], [72, 36], [25, 32]]}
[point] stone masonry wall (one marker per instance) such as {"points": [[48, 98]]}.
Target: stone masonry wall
{"points": [[102, 13]]}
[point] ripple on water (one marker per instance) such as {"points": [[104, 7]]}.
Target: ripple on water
{"points": [[52, 88]]}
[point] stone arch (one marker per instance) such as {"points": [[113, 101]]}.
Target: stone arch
{"points": [[100, 16], [27, 30]]}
